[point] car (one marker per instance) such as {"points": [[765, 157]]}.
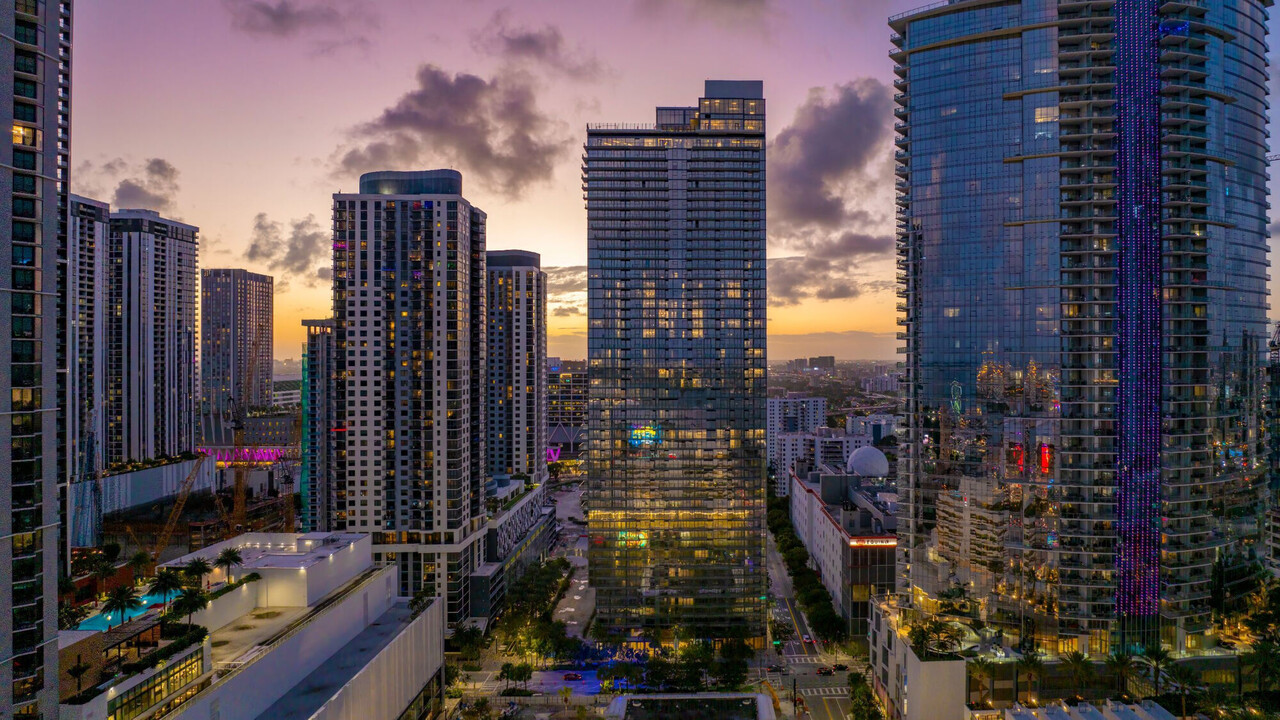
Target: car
{"points": [[807, 639], [777, 668], [571, 677], [840, 666], [826, 671]]}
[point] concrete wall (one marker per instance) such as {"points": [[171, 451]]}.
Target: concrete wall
{"points": [[226, 608], [249, 692], [935, 690], [385, 687]]}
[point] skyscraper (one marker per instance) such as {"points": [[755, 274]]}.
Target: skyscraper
{"points": [[33, 194], [85, 300], [676, 344], [516, 365], [409, 323], [567, 387], [1082, 254], [235, 338], [152, 382], [323, 502]]}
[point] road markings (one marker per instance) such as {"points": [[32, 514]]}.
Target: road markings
{"points": [[825, 691]]}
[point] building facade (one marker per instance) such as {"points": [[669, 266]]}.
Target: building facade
{"points": [[152, 379], [235, 338], [676, 344], [33, 201], [1082, 260], [88, 225], [794, 413], [567, 388], [323, 500], [516, 365], [409, 338]]}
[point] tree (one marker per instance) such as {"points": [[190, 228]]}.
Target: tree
{"points": [[862, 703], [1080, 668], [984, 671], [165, 584], [1120, 664], [196, 570], [468, 640], [111, 551], [121, 600], [227, 559], [190, 602], [505, 673], [77, 671], [1033, 665], [1263, 657], [71, 615], [1159, 660], [102, 570], [932, 639], [522, 674], [565, 694], [138, 563], [1185, 678]]}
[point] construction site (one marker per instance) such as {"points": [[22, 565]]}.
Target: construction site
{"points": [[241, 480]]}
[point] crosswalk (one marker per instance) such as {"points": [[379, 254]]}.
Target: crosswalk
{"points": [[825, 692]]}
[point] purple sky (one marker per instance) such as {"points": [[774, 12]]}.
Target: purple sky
{"points": [[244, 116]]}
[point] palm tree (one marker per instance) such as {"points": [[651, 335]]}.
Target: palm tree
{"points": [[1159, 660], [1185, 678], [1262, 657], [1080, 668], [1120, 664], [102, 570], [77, 671], [1031, 664], [565, 694], [122, 600], [138, 562], [197, 569], [191, 601], [227, 559], [983, 670], [165, 584]]}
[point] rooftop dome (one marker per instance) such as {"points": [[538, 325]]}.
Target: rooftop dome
{"points": [[867, 462]]}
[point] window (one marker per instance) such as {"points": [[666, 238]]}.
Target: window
{"points": [[24, 160], [24, 207], [24, 112], [25, 62], [24, 184], [22, 232], [23, 135], [29, 7], [25, 31]]}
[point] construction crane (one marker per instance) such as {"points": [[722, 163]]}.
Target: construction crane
{"points": [[286, 493], [777, 704], [184, 491], [239, 471]]}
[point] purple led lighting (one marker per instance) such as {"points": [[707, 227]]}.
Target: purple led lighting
{"points": [[1138, 326]]}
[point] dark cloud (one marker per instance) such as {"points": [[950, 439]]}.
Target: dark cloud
{"points": [[836, 137], [567, 311], [543, 46], [283, 18], [566, 279], [306, 245], [831, 270], [491, 130], [325, 273], [151, 186]]}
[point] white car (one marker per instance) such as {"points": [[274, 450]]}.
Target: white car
{"points": [[806, 638]]}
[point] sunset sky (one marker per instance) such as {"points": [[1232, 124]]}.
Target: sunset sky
{"points": [[244, 116]]}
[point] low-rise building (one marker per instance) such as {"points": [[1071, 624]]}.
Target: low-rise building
{"points": [[518, 534], [306, 628], [937, 688], [1108, 710], [849, 531], [286, 393], [801, 453]]}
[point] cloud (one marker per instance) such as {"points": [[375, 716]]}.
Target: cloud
{"points": [[836, 139], [491, 130], [283, 18], [149, 185], [567, 311], [566, 279], [543, 46], [832, 269], [306, 245], [847, 345], [717, 10]]}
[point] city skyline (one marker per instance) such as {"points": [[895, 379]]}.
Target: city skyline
{"points": [[574, 70]]}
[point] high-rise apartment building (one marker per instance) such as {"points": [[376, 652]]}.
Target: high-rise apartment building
{"points": [[409, 327], [795, 413], [33, 198], [85, 300], [567, 387], [676, 343], [516, 365], [152, 381], [323, 501], [1083, 263], [235, 338]]}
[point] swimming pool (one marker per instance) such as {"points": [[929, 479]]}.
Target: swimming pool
{"points": [[100, 621]]}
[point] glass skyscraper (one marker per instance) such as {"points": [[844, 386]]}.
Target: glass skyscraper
{"points": [[676, 344], [1082, 265]]}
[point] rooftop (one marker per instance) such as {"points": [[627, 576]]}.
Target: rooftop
{"points": [[305, 698], [261, 551]]}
